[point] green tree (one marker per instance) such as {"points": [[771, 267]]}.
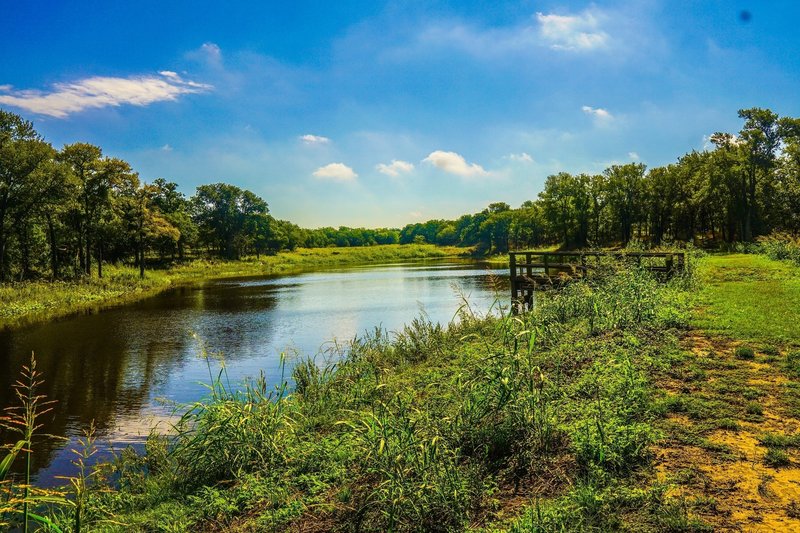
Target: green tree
{"points": [[223, 213]]}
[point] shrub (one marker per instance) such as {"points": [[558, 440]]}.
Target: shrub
{"points": [[744, 352], [775, 457]]}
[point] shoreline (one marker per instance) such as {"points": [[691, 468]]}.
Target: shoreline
{"points": [[29, 303]]}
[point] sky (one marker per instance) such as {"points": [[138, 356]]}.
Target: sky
{"points": [[382, 113]]}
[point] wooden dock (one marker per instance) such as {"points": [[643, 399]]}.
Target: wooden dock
{"points": [[531, 271]]}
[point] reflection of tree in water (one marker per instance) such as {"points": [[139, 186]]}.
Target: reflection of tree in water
{"points": [[88, 367], [98, 366]]}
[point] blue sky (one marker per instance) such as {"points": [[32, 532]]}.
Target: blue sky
{"points": [[384, 113]]}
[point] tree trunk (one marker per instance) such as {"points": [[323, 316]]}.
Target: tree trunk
{"points": [[25, 251], [2, 255], [88, 256], [51, 233]]}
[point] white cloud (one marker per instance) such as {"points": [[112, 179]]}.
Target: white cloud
{"points": [[166, 148], [336, 172], [454, 164], [211, 52], [415, 214], [523, 157], [572, 32], [395, 168], [314, 139], [100, 91], [600, 115], [633, 155]]}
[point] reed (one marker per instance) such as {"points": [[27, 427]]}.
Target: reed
{"points": [[21, 500]]}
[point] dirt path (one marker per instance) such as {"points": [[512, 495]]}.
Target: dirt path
{"points": [[732, 436]]}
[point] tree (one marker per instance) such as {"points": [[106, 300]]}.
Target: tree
{"points": [[624, 196], [24, 181], [760, 137], [223, 212]]}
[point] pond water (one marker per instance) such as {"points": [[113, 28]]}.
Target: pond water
{"points": [[126, 368]]}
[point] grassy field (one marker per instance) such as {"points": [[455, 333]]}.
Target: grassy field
{"points": [[750, 297], [618, 404], [23, 303]]}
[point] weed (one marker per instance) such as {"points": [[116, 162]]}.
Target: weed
{"points": [[728, 423], [776, 440], [744, 352], [793, 363], [754, 408], [776, 457], [21, 501]]}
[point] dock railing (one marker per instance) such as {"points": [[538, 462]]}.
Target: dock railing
{"points": [[531, 270]]}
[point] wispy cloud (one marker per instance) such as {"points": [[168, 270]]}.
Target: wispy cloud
{"points": [[100, 91], [166, 148], [395, 168], [586, 31], [336, 172], [454, 163], [314, 139], [579, 32], [208, 53], [600, 115], [523, 157], [633, 155]]}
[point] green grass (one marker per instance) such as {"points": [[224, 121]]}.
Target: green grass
{"points": [[776, 457], [24, 303], [750, 297]]}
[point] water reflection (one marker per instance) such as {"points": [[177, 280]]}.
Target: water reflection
{"points": [[113, 367]]}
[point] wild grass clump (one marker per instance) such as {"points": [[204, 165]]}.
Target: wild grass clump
{"points": [[744, 352], [20, 501], [793, 363], [780, 246], [776, 458]]}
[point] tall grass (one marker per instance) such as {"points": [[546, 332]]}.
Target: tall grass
{"points": [[20, 500], [778, 245]]}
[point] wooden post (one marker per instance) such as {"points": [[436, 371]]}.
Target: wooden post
{"points": [[512, 260], [528, 291]]}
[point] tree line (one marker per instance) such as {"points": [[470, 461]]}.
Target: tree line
{"points": [[64, 213], [744, 185]]}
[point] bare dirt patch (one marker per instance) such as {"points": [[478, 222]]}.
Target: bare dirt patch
{"points": [[728, 473]]}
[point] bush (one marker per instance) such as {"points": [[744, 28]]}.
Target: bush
{"points": [[775, 457], [744, 352]]}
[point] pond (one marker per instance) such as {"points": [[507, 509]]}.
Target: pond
{"points": [[128, 368]]}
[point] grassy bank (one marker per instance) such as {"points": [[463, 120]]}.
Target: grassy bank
{"points": [[539, 422], [618, 404], [24, 303]]}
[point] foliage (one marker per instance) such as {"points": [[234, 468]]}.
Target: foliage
{"points": [[61, 212]]}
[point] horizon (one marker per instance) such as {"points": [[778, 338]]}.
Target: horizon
{"points": [[385, 114]]}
